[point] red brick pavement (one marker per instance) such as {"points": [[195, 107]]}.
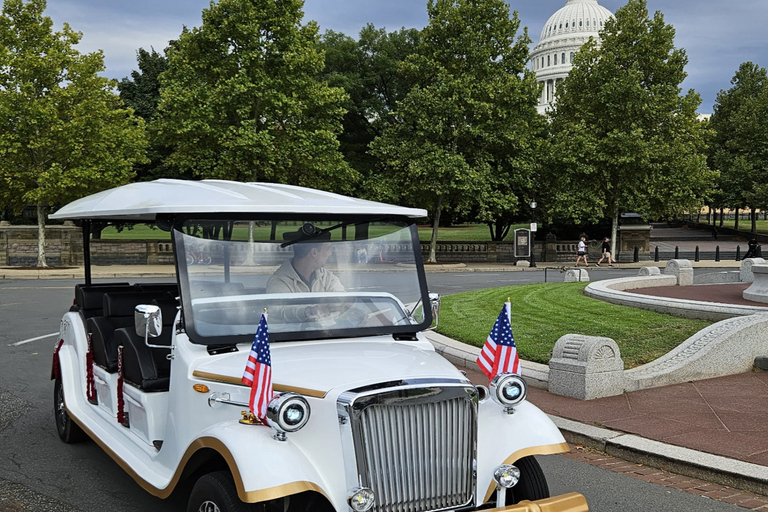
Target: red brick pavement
{"points": [[690, 485]]}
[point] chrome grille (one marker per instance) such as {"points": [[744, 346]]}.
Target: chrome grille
{"points": [[415, 448]]}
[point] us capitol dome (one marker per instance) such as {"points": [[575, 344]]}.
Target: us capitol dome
{"points": [[563, 35]]}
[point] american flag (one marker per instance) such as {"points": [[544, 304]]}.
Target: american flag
{"points": [[499, 354], [258, 371]]}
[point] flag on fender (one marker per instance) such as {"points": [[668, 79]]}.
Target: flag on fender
{"points": [[499, 354], [258, 371]]}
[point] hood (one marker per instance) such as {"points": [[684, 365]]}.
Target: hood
{"points": [[322, 367]]}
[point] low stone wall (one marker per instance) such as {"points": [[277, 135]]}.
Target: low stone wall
{"points": [[612, 290], [18, 245], [64, 247], [725, 348]]}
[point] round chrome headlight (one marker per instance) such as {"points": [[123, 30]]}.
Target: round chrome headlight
{"points": [[361, 499], [288, 413], [506, 475], [508, 390]]}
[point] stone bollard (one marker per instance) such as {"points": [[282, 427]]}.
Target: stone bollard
{"points": [[649, 271], [586, 367], [682, 270], [575, 275], [746, 275], [758, 290]]}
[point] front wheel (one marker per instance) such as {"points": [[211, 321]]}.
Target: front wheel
{"points": [[532, 485], [69, 431], [190, 259], [216, 492]]}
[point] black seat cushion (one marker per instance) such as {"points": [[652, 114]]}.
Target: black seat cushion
{"points": [[169, 288], [102, 329], [89, 300], [117, 309], [144, 367]]}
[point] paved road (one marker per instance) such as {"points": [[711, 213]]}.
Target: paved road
{"points": [[40, 473]]}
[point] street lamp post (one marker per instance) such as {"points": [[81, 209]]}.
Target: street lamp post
{"points": [[533, 234]]}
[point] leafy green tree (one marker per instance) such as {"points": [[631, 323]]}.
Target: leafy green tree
{"points": [[624, 137], [739, 149], [63, 132], [141, 92], [240, 99], [461, 128], [369, 70]]}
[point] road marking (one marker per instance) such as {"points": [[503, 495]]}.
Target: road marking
{"points": [[30, 340]]}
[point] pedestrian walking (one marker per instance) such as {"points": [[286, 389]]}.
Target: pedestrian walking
{"points": [[606, 252], [581, 251]]}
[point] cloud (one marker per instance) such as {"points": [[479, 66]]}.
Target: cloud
{"points": [[717, 36]]}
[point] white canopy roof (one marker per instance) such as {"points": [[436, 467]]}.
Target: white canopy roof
{"points": [[143, 201]]}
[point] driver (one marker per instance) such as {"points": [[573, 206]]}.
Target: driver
{"points": [[305, 273]]}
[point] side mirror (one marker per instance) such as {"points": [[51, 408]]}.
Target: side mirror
{"points": [[434, 302], [148, 320]]}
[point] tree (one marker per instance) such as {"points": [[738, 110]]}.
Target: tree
{"points": [[141, 92], [740, 148], [63, 132], [461, 128], [369, 70], [240, 99], [623, 136]]}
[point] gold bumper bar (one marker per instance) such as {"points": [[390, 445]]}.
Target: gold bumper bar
{"points": [[571, 502]]}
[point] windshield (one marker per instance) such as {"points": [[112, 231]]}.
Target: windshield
{"points": [[315, 278]]}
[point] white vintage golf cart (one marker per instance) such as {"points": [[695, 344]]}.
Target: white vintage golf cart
{"points": [[366, 416]]}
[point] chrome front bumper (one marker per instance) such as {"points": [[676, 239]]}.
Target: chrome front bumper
{"points": [[571, 502]]}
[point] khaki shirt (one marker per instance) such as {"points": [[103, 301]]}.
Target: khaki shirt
{"points": [[287, 280]]}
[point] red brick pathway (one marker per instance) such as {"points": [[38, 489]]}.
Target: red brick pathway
{"points": [[716, 492], [720, 293]]}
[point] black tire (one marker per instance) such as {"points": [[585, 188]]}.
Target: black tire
{"points": [[532, 485], [216, 492], [69, 431]]}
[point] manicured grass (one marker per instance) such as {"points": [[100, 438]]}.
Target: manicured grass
{"points": [[542, 313], [744, 225], [137, 232], [463, 233]]}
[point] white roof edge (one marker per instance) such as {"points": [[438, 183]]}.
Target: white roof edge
{"points": [[142, 201]]}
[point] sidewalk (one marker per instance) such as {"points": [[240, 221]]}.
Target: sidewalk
{"points": [[119, 271]]}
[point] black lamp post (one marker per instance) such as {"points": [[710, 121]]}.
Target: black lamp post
{"points": [[533, 234]]}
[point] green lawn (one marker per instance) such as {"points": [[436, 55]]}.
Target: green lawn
{"points": [[542, 313], [463, 233], [745, 225]]}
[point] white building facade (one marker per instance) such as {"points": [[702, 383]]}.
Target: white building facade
{"points": [[563, 35]]}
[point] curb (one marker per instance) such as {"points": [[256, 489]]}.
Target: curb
{"points": [[683, 461]]}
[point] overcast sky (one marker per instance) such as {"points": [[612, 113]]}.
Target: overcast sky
{"points": [[716, 35]]}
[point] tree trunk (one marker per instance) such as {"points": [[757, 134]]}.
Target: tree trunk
{"points": [[722, 212], [614, 230], [753, 217], [736, 220], [41, 236], [250, 258], [435, 225]]}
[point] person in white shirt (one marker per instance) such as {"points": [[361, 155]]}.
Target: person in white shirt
{"points": [[581, 252]]}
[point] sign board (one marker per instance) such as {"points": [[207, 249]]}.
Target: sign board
{"points": [[534, 227], [522, 243]]}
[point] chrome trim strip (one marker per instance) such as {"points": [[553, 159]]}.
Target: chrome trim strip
{"points": [[228, 379]]}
